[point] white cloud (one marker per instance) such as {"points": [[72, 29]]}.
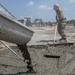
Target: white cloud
{"points": [[30, 4], [71, 1], [44, 7]]}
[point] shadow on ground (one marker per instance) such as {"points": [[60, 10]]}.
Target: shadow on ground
{"points": [[46, 41], [19, 73], [11, 66]]}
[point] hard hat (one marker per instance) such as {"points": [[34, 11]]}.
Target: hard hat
{"points": [[56, 7]]}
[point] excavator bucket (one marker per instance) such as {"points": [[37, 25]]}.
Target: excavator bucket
{"points": [[13, 31]]}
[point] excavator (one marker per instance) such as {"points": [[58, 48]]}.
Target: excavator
{"points": [[13, 31]]}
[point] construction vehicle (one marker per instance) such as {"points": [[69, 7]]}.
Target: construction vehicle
{"points": [[13, 31]]}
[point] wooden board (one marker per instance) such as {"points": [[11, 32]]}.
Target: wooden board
{"points": [[62, 43]]}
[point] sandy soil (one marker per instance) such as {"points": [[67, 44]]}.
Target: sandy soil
{"points": [[10, 64]]}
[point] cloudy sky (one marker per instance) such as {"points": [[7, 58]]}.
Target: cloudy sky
{"points": [[39, 8]]}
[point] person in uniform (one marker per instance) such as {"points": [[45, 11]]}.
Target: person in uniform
{"points": [[61, 20]]}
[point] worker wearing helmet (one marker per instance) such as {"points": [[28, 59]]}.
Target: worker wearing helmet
{"points": [[61, 20]]}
